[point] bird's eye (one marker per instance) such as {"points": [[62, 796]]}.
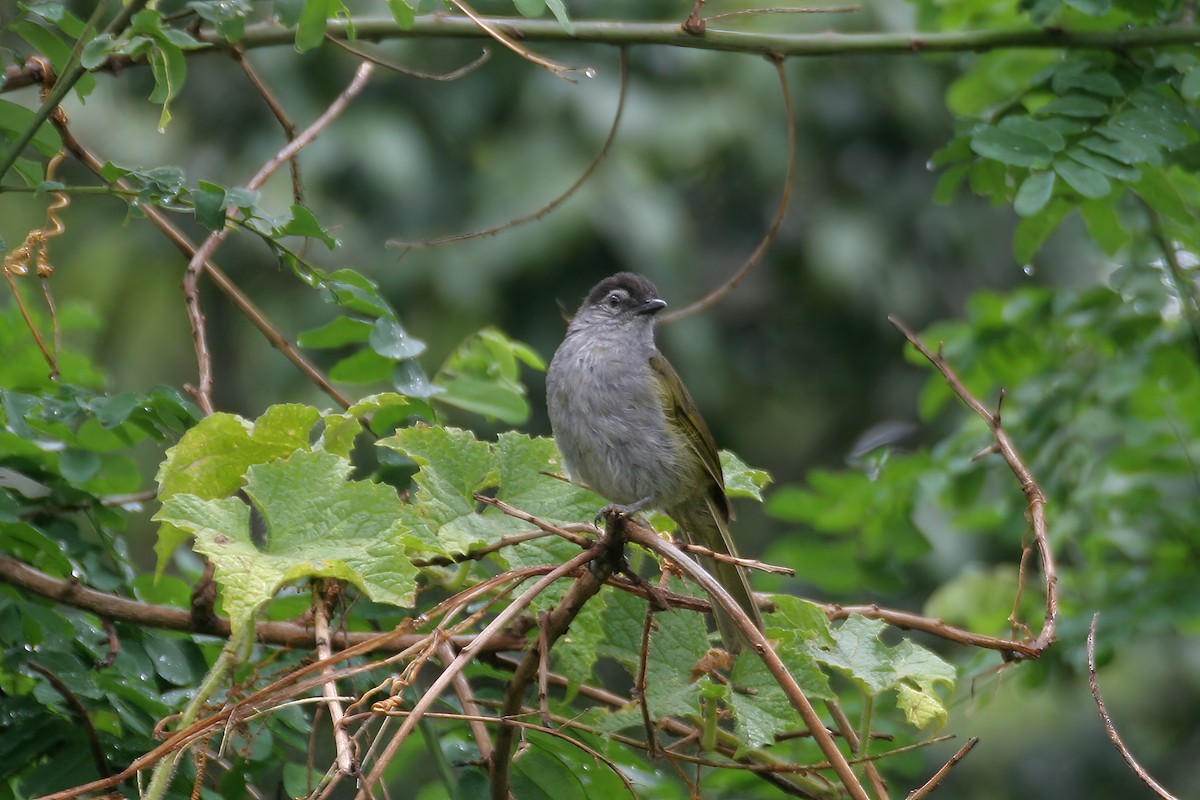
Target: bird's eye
{"points": [[614, 300]]}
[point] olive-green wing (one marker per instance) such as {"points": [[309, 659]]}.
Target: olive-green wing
{"points": [[681, 406]]}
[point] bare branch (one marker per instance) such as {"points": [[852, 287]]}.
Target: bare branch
{"points": [[907, 620], [647, 538], [321, 600], [235, 295], [595, 163], [461, 660], [1109, 727], [392, 66], [753, 260], [123, 609], [1029, 486], [606, 553], [198, 263], [938, 776]]}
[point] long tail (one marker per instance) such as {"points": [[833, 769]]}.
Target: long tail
{"points": [[707, 527]]}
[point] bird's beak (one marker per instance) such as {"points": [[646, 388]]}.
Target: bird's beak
{"points": [[651, 306]]}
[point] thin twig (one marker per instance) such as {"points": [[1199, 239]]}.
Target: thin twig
{"points": [[595, 163], [525, 516], [1109, 727], [648, 539], [1029, 486], [285, 122], [938, 776], [191, 278], [493, 30], [321, 592], [846, 728], [465, 656], [605, 556], [235, 295], [466, 698], [392, 66], [907, 620], [748, 563], [753, 260]]}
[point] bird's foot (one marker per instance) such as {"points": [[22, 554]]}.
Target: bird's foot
{"points": [[621, 510]]}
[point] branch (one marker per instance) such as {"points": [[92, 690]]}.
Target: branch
{"points": [[647, 538], [465, 656], [938, 776], [191, 278], [235, 295], [1109, 727], [555, 625], [671, 34], [753, 260], [553, 204], [1033, 493], [123, 609], [906, 620]]}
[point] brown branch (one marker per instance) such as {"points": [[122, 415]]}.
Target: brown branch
{"points": [[938, 776], [235, 295], [285, 122], [753, 260], [1029, 486], [1109, 727], [525, 516], [846, 728], [492, 29], [123, 609], [464, 657], [322, 598], [191, 278], [466, 697], [392, 66], [907, 620], [648, 539], [595, 163], [555, 624]]}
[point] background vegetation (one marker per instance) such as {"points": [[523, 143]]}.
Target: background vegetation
{"points": [[1018, 179]]}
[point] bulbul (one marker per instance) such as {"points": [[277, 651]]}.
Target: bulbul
{"points": [[629, 430]]}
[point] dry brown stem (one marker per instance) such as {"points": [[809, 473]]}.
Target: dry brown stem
{"points": [[1109, 727]]}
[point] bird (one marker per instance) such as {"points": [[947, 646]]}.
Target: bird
{"points": [[628, 429]]}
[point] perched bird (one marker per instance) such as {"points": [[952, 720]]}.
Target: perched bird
{"points": [[629, 430]]}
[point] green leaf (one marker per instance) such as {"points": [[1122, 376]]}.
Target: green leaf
{"points": [[1101, 83], [208, 201], [304, 223], [1034, 193], [1085, 180], [1104, 224], [337, 332], [319, 524], [365, 366], [491, 399], [1189, 87], [741, 480], [559, 10], [211, 460], [1075, 105], [1032, 231], [1038, 130], [1009, 147], [16, 119], [1105, 165], [310, 31], [1157, 189], [948, 183], [97, 51], [402, 12], [1116, 150]]}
